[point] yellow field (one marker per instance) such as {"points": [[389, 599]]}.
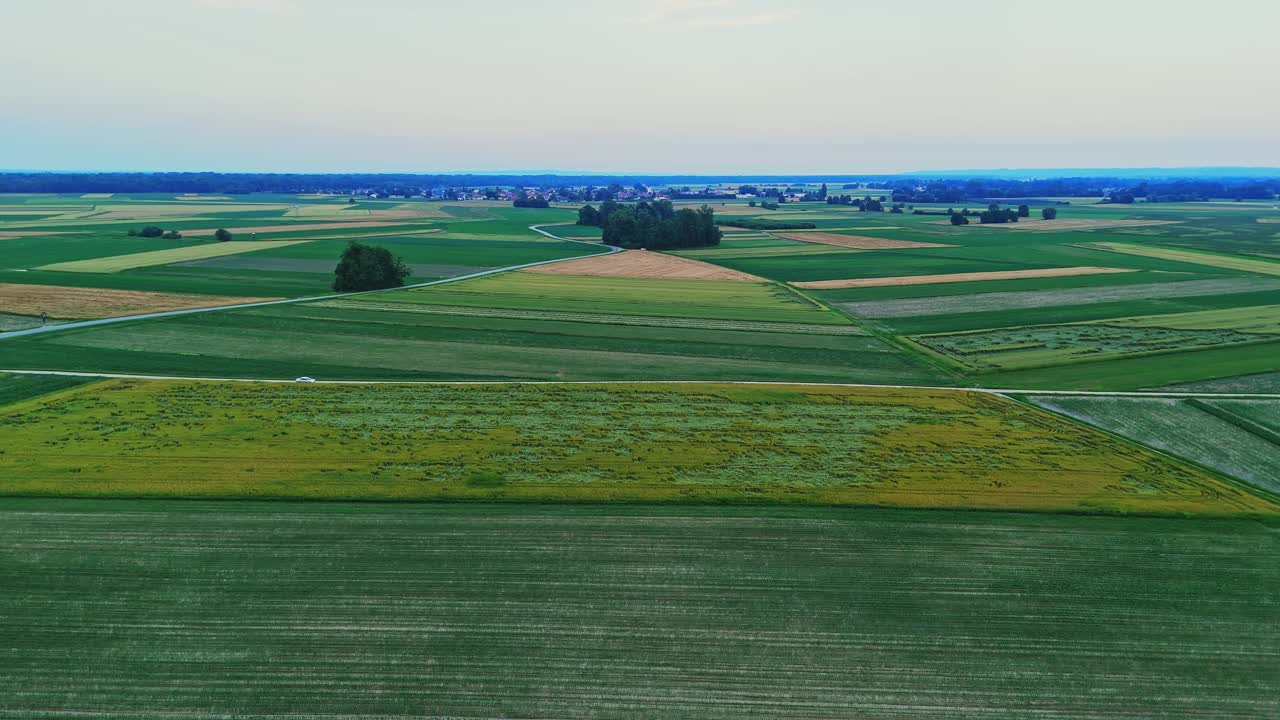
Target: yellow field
{"points": [[1190, 256], [164, 257], [651, 442]]}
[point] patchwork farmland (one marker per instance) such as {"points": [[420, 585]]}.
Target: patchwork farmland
{"points": [[902, 550]]}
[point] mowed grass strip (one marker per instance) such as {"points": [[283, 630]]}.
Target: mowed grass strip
{"points": [[646, 442], [1263, 319], [638, 320], [353, 611], [1030, 299], [664, 297], [118, 263], [956, 277], [1196, 257]]}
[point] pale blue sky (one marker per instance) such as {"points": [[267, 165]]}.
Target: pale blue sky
{"points": [[677, 86]]}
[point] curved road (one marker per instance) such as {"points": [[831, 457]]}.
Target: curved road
{"points": [[174, 313]]}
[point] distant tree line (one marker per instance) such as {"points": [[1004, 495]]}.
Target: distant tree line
{"points": [[155, 231], [596, 188], [652, 226]]}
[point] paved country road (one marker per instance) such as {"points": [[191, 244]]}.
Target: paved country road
{"points": [[174, 313]]}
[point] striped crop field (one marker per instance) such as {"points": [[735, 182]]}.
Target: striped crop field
{"points": [[660, 297], [1255, 265], [636, 320], [1240, 438], [620, 442], [117, 263], [155, 610]]}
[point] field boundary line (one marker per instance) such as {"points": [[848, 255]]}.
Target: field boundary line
{"points": [[780, 383], [287, 301]]}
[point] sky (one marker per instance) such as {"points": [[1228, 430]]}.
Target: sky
{"points": [[665, 86]]}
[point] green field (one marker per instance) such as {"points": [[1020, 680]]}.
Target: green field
{"points": [[22, 387], [1240, 438], [712, 299], [286, 341], [202, 610], [724, 443]]}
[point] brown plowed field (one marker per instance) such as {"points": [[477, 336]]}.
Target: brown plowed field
{"points": [[88, 303], [642, 264]]}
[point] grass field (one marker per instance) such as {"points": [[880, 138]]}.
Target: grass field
{"points": [[22, 387], [1246, 264], [713, 299], [1043, 345], [1240, 438], [117, 263], [789, 444], [203, 610]]}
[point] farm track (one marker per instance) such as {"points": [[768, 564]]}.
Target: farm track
{"points": [[290, 301]]}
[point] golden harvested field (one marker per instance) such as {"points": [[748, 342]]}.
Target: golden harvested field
{"points": [[89, 303], [1063, 224], [857, 242], [956, 277], [116, 263], [642, 264]]}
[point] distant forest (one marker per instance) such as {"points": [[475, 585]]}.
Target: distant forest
{"points": [[921, 189]]}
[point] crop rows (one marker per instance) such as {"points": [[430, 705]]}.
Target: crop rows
{"points": [[203, 611], [607, 319]]}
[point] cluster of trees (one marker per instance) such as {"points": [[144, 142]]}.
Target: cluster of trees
{"points": [[368, 267], [531, 202], [995, 214], [818, 196], [155, 231], [865, 204], [652, 226]]}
